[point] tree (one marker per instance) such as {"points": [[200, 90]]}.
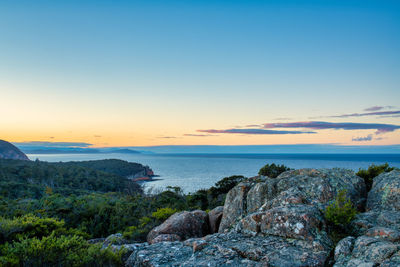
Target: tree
{"points": [[272, 170], [373, 171], [341, 211]]}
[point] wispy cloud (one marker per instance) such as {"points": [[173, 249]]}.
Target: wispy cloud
{"points": [[378, 113], [254, 131], [323, 125], [313, 125], [391, 116], [376, 108], [167, 137], [361, 139], [252, 125], [199, 135]]}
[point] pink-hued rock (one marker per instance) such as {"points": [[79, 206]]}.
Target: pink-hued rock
{"points": [[215, 217], [184, 224], [165, 238]]}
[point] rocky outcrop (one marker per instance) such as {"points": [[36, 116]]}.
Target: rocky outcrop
{"points": [[230, 249], [294, 221], [304, 186], [115, 239], [181, 226], [264, 222], [9, 151], [385, 192], [237, 207], [378, 229], [280, 222], [214, 218]]}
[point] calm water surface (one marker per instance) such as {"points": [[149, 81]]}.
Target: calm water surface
{"points": [[196, 171]]}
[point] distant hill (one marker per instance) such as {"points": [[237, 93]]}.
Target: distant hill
{"points": [[9, 151], [123, 151]]}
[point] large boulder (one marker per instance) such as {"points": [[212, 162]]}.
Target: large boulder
{"points": [[375, 218], [304, 186], [183, 225], [385, 192], [321, 186], [369, 251], [235, 205], [260, 193], [295, 221], [214, 217]]}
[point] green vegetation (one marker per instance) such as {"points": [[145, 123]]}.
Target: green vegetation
{"points": [[29, 179], [113, 166], [338, 215], [96, 214], [29, 226], [272, 170], [207, 199], [163, 213], [48, 211], [34, 241], [374, 170], [341, 211]]}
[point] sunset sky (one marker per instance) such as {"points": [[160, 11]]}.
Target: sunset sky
{"points": [[144, 73]]}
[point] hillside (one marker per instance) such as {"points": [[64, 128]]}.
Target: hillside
{"points": [[30, 179], [116, 166], [9, 151]]}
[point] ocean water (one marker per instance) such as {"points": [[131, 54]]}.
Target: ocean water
{"points": [[197, 171]]}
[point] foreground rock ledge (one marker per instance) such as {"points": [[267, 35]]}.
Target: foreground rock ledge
{"points": [[280, 222], [231, 249]]}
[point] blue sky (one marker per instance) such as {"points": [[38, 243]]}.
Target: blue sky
{"points": [[139, 73]]}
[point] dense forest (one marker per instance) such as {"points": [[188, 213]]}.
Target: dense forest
{"points": [[31, 179], [49, 211], [114, 166]]}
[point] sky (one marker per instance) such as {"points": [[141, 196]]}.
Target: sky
{"points": [[155, 73]]}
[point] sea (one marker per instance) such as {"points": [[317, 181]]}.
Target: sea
{"points": [[192, 172]]}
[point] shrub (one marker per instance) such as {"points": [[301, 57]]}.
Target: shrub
{"points": [[272, 170], [163, 213], [199, 199], [140, 231], [57, 251], [33, 241], [341, 211], [373, 171], [29, 226], [227, 183]]}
